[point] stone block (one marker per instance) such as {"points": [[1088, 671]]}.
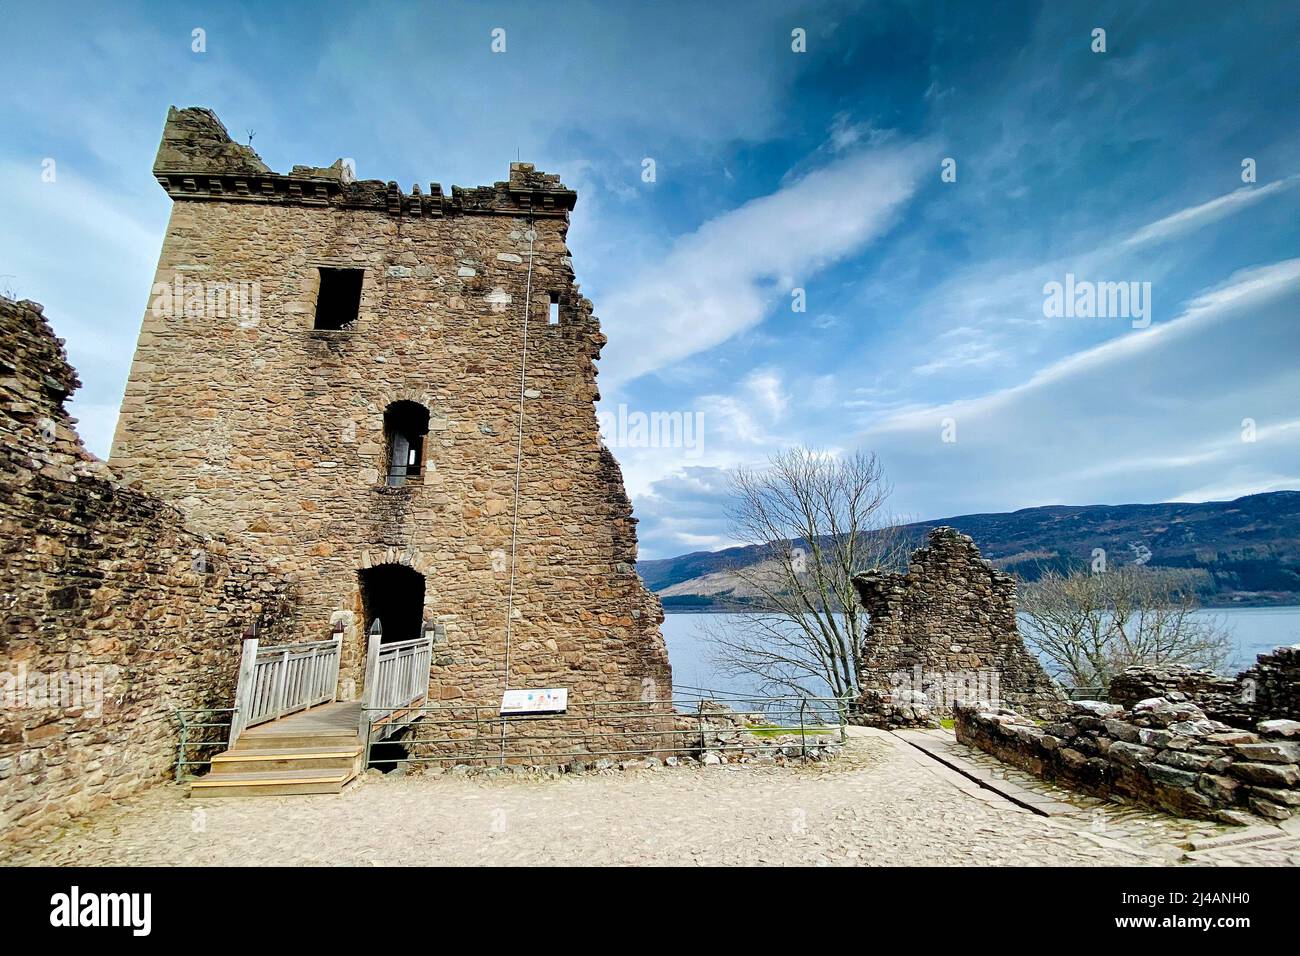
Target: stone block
{"points": [[1266, 774], [1271, 752]]}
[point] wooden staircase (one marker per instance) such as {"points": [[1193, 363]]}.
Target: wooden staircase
{"points": [[291, 735], [316, 750]]}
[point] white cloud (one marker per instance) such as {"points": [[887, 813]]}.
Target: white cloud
{"points": [[997, 303], [1141, 417], [727, 275], [88, 255], [1194, 217], [764, 384], [1247, 484], [962, 347]]}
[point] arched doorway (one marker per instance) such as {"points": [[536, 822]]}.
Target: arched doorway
{"points": [[394, 595]]}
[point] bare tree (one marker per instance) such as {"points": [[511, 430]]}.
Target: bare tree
{"points": [[1089, 627], [819, 520]]}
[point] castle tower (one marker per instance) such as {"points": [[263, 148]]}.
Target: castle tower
{"points": [[329, 373]]}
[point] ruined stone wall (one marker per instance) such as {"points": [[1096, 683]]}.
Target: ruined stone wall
{"points": [[261, 427], [1271, 686], [1164, 753], [114, 611], [941, 633], [1268, 689], [1218, 696]]}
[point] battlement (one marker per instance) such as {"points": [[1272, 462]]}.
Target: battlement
{"points": [[197, 160]]}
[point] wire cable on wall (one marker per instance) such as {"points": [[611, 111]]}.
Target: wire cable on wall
{"points": [[519, 458]]}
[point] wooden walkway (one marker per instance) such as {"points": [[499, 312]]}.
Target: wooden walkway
{"points": [[326, 720]]}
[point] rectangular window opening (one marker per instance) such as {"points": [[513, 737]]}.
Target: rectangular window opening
{"points": [[406, 460], [339, 299], [554, 317]]}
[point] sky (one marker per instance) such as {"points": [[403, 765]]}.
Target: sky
{"points": [[834, 225]]}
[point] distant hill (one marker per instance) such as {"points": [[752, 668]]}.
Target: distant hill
{"points": [[1248, 549]]}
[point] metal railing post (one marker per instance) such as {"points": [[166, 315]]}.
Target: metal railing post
{"points": [[699, 715], [803, 732], [180, 747]]}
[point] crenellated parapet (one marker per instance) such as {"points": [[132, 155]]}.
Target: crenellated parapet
{"points": [[197, 160]]}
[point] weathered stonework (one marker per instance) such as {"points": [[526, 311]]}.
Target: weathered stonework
{"points": [[1215, 694], [1163, 753], [260, 426], [115, 612], [1267, 690], [1271, 686], [946, 630]]}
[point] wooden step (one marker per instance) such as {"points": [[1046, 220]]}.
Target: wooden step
{"points": [[294, 741], [267, 783], [286, 759]]}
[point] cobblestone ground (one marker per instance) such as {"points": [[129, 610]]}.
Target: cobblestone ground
{"points": [[877, 804]]}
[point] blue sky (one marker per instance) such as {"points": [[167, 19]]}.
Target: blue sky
{"points": [[774, 171]]}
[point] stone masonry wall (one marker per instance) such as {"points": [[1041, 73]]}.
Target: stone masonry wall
{"points": [[944, 632], [1161, 752], [114, 611], [1268, 689], [1271, 686], [1215, 694], [259, 426]]}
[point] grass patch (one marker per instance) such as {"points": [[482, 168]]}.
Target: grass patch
{"points": [[947, 723], [775, 730]]}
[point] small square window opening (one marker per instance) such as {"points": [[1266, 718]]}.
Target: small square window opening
{"points": [[339, 299]]}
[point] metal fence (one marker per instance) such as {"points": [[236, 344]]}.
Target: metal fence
{"points": [[1086, 693], [198, 733], [691, 724]]}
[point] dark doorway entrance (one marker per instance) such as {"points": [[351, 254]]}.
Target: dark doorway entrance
{"points": [[393, 594]]}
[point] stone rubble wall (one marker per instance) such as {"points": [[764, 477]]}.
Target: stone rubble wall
{"points": [[115, 611], [718, 734], [265, 429], [1268, 689], [1271, 686], [1162, 752], [944, 632], [1217, 695], [627, 736]]}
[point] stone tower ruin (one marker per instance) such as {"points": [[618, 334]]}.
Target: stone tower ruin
{"points": [[345, 380], [945, 633]]}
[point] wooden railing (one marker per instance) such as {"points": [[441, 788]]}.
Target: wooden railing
{"points": [[274, 681], [397, 679]]}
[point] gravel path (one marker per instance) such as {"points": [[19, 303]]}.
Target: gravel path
{"points": [[876, 804]]}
